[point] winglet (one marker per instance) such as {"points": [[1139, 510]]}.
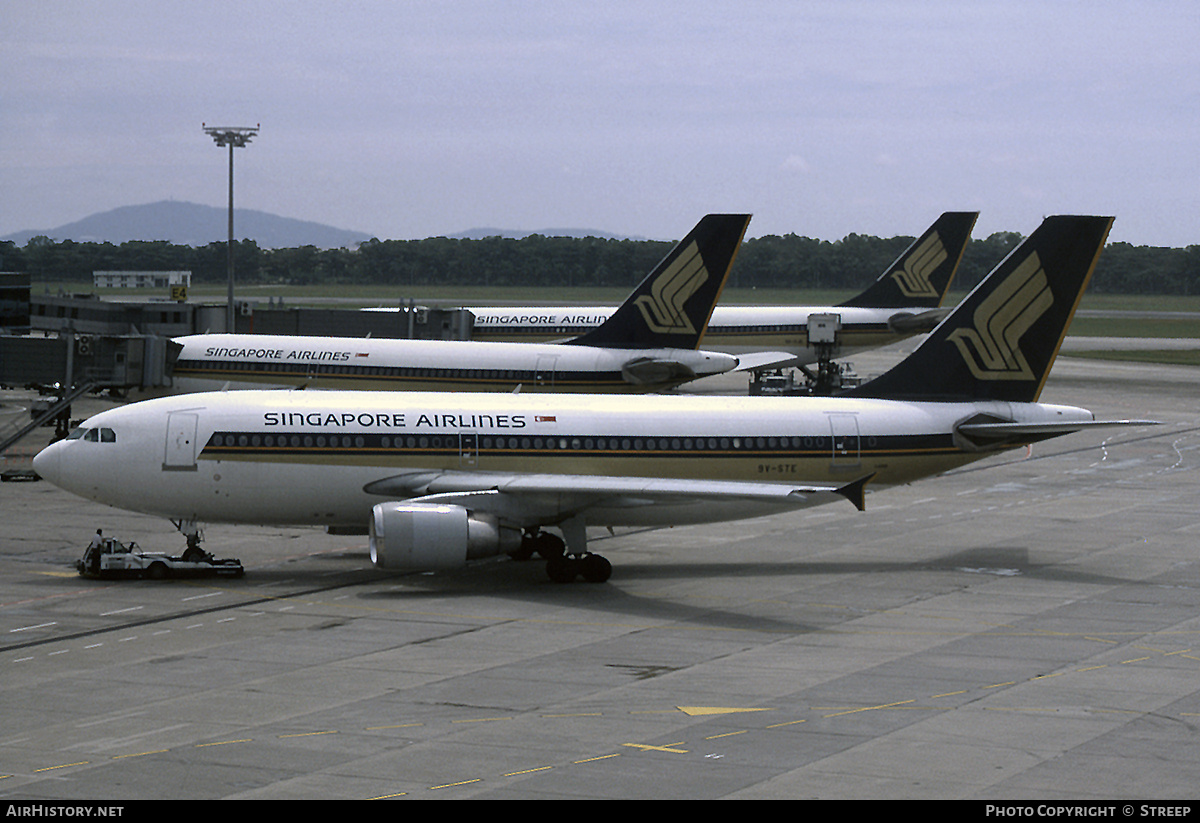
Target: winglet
{"points": [[921, 276], [1001, 340], [672, 306], [856, 492]]}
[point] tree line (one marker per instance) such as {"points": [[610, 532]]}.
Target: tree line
{"points": [[788, 261]]}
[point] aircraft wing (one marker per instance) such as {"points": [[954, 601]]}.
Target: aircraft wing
{"points": [[574, 492]]}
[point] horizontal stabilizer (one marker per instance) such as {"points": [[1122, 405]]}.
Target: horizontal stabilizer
{"points": [[910, 323], [759, 360], [655, 371], [990, 434]]}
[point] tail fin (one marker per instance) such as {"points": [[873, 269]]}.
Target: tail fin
{"points": [[999, 343], [672, 306], [921, 275]]}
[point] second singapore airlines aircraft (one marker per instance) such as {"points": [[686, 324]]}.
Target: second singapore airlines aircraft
{"points": [[441, 479], [904, 301], [648, 344]]}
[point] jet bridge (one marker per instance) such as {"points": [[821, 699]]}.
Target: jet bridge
{"points": [[67, 366]]}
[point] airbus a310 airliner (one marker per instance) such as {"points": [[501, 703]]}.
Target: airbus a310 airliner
{"points": [[440, 479], [649, 344]]}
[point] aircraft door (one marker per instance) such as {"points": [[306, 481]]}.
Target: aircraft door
{"points": [[468, 450], [544, 373], [845, 437], [180, 450]]}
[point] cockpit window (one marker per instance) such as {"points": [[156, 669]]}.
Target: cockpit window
{"points": [[102, 435]]}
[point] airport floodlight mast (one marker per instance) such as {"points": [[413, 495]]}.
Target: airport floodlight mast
{"points": [[235, 137]]}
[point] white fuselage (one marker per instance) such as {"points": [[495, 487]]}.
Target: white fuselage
{"points": [[731, 329], [210, 361], [288, 457]]}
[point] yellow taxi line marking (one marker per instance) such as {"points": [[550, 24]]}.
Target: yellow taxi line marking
{"points": [[669, 747]]}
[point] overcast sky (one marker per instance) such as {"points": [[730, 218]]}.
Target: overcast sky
{"points": [[412, 119]]}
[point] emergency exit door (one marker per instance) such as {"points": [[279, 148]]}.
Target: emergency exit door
{"points": [[468, 450], [544, 374], [844, 431]]}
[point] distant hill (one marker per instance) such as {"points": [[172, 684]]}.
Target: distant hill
{"points": [[191, 224]]}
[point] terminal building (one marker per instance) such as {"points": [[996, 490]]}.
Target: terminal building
{"points": [[141, 279], [66, 345]]}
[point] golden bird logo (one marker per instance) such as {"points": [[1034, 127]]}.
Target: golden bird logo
{"points": [[914, 279], [992, 349], [662, 308]]}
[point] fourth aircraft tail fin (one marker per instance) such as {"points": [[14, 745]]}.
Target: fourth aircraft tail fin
{"points": [[672, 306], [1000, 341], [921, 275]]}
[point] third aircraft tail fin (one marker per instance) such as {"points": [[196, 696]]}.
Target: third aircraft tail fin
{"points": [[921, 275], [1000, 341]]}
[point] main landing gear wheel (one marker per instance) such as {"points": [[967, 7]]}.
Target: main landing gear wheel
{"points": [[566, 557], [591, 567], [543, 544]]}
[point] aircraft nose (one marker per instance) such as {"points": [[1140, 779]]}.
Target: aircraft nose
{"points": [[46, 463]]}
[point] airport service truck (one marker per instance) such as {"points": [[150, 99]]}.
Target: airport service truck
{"points": [[114, 559]]}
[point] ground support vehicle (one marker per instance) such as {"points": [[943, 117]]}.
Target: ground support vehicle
{"points": [[114, 559]]}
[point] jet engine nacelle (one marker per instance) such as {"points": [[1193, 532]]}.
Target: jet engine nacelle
{"points": [[426, 536]]}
